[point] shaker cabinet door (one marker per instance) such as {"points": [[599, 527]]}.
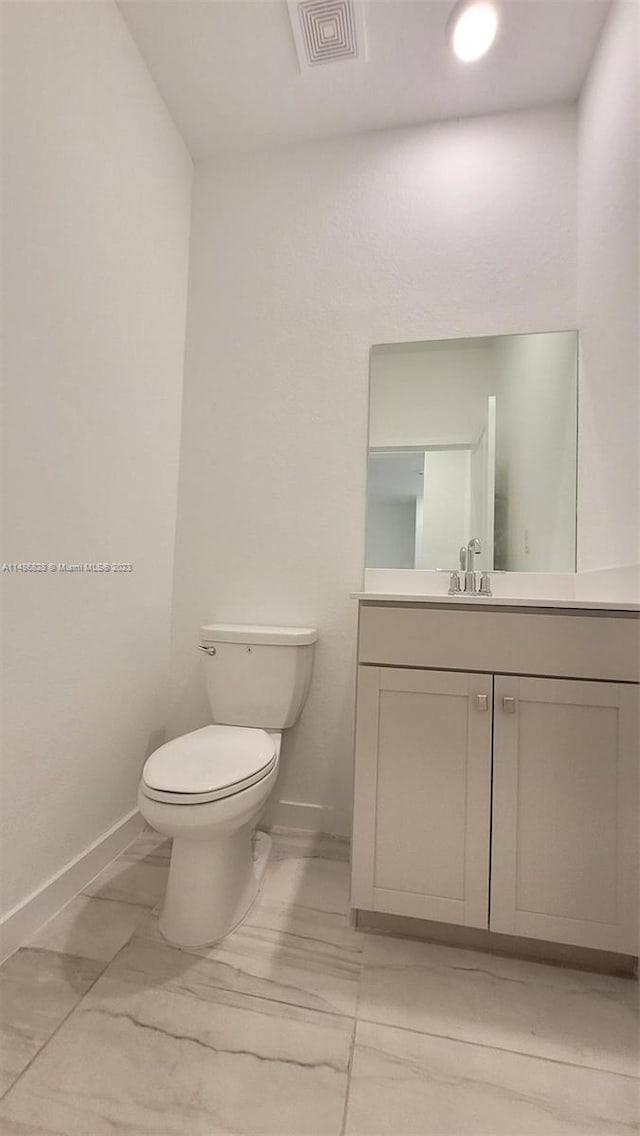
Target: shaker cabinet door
{"points": [[565, 798], [422, 794]]}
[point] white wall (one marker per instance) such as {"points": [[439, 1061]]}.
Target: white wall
{"points": [[537, 450], [301, 260], [97, 190], [608, 298], [391, 534], [431, 394], [446, 508]]}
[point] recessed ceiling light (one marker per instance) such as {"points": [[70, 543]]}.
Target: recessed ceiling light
{"points": [[474, 26]]}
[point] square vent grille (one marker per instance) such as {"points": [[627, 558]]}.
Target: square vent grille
{"points": [[327, 31]]}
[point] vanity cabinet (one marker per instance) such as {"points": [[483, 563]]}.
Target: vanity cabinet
{"points": [[423, 802], [565, 812], [502, 801]]}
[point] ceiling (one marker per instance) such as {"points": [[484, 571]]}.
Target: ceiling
{"points": [[229, 74]]}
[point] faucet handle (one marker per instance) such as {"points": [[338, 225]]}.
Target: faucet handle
{"points": [[454, 584], [485, 585]]}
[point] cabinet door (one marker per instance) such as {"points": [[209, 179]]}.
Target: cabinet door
{"points": [[565, 812], [422, 794]]}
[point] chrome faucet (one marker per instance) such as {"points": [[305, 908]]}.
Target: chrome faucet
{"points": [[470, 581]]}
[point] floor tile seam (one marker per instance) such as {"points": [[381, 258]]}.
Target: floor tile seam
{"points": [[30, 946], [291, 957], [341, 1014], [53, 951], [604, 977], [109, 899], [500, 1049], [353, 952], [343, 1128], [352, 1046], [63, 1021]]}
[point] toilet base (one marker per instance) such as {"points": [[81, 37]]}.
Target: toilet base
{"points": [[211, 885]]}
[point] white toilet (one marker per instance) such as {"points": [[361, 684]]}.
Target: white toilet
{"points": [[207, 788]]}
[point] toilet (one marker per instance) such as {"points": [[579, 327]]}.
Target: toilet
{"points": [[206, 789]]}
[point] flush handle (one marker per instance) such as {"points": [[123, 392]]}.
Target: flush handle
{"points": [[207, 650], [482, 701], [509, 705]]}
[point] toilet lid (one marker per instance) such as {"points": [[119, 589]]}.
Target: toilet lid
{"points": [[209, 763]]}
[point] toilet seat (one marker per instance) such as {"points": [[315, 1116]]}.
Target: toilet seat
{"points": [[208, 765]]}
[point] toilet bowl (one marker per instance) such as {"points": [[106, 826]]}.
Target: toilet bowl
{"points": [[206, 789], [216, 864]]}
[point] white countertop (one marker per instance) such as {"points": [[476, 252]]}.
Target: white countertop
{"points": [[607, 589], [496, 601]]}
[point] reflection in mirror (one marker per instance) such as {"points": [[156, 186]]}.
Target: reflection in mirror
{"points": [[474, 438]]}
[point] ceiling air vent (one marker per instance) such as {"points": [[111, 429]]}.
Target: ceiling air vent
{"points": [[327, 31]]}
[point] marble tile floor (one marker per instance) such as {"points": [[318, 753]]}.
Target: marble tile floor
{"points": [[298, 1024]]}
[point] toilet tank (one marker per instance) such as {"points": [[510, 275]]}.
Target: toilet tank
{"points": [[257, 676]]}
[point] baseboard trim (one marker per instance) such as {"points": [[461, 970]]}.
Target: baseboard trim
{"points": [[28, 916], [307, 817]]}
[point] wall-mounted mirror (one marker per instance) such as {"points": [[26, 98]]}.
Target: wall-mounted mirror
{"points": [[474, 438]]}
